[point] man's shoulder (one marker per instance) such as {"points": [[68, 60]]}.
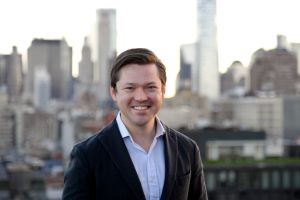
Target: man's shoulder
{"points": [[180, 137]]}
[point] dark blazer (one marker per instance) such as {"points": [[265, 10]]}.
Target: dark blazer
{"points": [[100, 168]]}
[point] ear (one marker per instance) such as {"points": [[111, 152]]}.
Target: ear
{"points": [[113, 93], [163, 90]]}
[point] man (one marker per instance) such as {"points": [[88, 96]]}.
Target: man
{"points": [[136, 157]]}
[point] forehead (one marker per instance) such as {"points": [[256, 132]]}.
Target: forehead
{"points": [[139, 73]]}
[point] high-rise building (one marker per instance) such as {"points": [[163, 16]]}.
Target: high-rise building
{"points": [[274, 71], [42, 86], [187, 66], [105, 49], [233, 81], [7, 129], [3, 74], [295, 47], [86, 64], [56, 55], [38, 130], [207, 51], [14, 76], [11, 75], [277, 116]]}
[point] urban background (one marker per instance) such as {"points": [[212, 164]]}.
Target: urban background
{"points": [[246, 120]]}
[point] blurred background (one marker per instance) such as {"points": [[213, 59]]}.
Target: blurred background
{"points": [[233, 86]]}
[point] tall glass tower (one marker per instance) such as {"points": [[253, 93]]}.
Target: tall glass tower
{"points": [[106, 35], [205, 81]]}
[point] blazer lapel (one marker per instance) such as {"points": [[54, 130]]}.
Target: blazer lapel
{"points": [[171, 152], [115, 146]]}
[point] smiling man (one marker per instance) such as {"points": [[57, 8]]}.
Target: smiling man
{"points": [[136, 156]]}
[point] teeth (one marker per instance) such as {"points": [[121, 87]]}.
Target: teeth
{"points": [[140, 107]]}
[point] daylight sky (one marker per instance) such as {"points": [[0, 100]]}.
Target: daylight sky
{"points": [[161, 25]]}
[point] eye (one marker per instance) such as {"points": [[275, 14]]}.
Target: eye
{"points": [[152, 87], [128, 88]]}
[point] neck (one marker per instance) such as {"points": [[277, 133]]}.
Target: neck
{"points": [[143, 135]]}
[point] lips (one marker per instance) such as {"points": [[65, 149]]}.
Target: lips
{"points": [[140, 107]]}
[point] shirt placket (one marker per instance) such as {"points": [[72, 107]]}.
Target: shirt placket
{"points": [[152, 176]]}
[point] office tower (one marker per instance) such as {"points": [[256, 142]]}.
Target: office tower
{"points": [[42, 86], [277, 116], [273, 72], [105, 49], [3, 75], [207, 50], [233, 81], [295, 47], [39, 129], [67, 133], [187, 66], [14, 76], [56, 55], [86, 65], [7, 129]]}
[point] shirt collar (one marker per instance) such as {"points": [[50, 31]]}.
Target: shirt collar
{"points": [[160, 130]]}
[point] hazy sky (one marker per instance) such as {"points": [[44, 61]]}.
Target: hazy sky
{"points": [[161, 25]]}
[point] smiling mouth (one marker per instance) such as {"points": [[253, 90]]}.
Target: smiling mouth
{"points": [[140, 107]]}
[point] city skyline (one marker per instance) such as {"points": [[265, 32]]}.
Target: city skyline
{"points": [[243, 26]]}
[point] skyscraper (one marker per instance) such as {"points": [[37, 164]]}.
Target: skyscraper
{"points": [[56, 55], [207, 79], [14, 75], [233, 81], [3, 73], [105, 49], [187, 65], [295, 47], [274, 72], [86, 64], [42, 87], [7, 128]]}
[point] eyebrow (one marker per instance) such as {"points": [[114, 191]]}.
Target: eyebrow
{"points": [[150, 83]]}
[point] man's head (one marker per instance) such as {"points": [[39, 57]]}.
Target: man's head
{"points": [[139, 56], [138, 81]]}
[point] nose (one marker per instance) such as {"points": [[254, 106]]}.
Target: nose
{"points": [[140, 95]]}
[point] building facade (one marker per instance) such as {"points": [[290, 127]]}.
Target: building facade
{"points": [[3, 61], [233, 81], [38, 133], [105, 49], [56, 56], [252, 182], [207, 51], [187, 67], [42, 88], [86, 65], [220, 144], [295, 47], [274, 72], [7, 129], [11, 75], [278, 117]]}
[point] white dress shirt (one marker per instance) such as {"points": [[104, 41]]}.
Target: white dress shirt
{"points": [[150, 166]]}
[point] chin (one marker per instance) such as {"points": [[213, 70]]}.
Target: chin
{"points": [[141, 122]]}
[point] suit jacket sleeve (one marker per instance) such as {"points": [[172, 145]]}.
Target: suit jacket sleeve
{"points": [[78, 179], [197, 190]]}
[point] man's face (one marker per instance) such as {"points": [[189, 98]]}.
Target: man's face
{"points": [[139, 94]]}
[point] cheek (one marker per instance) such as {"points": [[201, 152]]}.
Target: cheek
{"points": [[156, 96], [123, 98]]}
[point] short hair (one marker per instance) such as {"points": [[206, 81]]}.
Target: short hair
{"points": [[139, 56]]}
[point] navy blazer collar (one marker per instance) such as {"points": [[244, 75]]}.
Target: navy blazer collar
{"points": [[171, 153], [115, 147]]}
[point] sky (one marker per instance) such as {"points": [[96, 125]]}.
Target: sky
{"points": [[160, 25]]}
